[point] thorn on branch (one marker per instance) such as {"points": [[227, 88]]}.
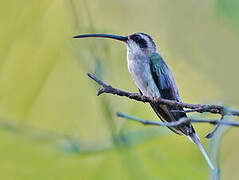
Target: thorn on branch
{"points": [[100, 91]]}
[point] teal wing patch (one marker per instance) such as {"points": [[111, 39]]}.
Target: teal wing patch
{"points": [[164, 80], [159, 71]]}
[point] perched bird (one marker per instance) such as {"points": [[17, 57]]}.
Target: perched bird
{"points": [[154, 79]]}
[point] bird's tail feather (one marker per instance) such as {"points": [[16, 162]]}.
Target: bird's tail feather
{"points": [[195, 139], [165, 115]]}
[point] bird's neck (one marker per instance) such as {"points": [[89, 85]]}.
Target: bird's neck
{"points": [[141, 54]]}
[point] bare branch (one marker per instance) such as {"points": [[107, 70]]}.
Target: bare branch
{"points": [[179, 122], [156, 123], [211, 108]]}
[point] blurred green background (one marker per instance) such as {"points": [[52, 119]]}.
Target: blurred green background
{"points": [[52, 124]]}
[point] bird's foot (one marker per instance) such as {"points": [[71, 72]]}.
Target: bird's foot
{"points": [[155, 99], [144, 97]]}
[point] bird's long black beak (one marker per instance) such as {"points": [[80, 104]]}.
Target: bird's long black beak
{"points": [[120, 38]]}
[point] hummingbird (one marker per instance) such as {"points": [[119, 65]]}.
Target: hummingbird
{"points": [[154, 79]]}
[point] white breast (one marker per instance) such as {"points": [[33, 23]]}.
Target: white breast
{"points": [[139, 69]]}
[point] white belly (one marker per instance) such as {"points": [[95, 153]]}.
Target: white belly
{"points": [[141, 74]]}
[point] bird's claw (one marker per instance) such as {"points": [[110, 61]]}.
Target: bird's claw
{"points": [[144, 97], [155, 99]]}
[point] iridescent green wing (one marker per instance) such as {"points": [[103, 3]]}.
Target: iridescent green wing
{"points": [[164, 80]]}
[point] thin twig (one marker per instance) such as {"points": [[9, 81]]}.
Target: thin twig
{"points": [[209, 135], [156, 123], [179, 122], [211, 108], [188, 111]]}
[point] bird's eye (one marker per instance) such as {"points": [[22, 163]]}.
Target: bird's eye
{"points": [[139, 40], [136, 38]]}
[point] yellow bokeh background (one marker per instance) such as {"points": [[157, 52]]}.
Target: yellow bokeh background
{"points": [[52, 124]]}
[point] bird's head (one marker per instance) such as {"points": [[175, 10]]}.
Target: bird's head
{"points": [[140, 43], [137, 43]]}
